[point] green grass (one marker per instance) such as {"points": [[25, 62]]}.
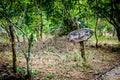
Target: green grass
{"points": [[3, 40], [48, 77], [104, 39]]}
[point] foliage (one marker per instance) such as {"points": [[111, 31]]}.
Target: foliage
{"points": [[30, 18], [27, 14], [21, 72], [108, 9], [48, 77]]}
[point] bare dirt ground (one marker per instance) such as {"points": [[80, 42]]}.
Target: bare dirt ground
{"points": [[61, 60], [112, 74]]}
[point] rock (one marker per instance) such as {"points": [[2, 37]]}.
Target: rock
{"points": [[80, 35]]}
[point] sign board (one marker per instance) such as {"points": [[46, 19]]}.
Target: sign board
{"points": [[80, 35]]}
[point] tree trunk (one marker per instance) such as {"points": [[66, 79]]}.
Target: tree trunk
{"points": [[118, 33], [113, 31], [28, 68], [96, 32], [41, 30], [28, 57], [117, 28], [116, 25], [13, 45], [82, 50]]}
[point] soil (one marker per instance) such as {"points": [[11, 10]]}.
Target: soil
{"points": [[112, 74], [61, 60]]}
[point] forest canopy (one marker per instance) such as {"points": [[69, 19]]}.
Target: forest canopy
{"points": [[48, 15]]}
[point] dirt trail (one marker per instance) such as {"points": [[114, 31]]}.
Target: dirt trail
{"points": [[112, 74]]}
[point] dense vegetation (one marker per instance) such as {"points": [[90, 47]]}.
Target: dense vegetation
{"points": [[32, 19]]}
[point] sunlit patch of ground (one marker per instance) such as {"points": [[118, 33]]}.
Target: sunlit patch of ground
{"points": [[62, 61]]}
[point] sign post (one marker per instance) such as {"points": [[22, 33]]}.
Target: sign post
{"points": [[79, 36]]}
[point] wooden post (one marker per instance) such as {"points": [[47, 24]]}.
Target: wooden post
{"points": [[82, 50]]}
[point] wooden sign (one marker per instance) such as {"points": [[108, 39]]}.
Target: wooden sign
{"points": [[80, 35]]}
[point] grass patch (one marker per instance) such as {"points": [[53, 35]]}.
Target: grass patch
{"points": [[48, 77]]}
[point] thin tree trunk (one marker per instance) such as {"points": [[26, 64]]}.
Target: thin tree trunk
{"points": [[41, 30], [96, 32], [28, 67], [28, 57], [118, 33], [55, 38], [13, 45], [113, 31]]}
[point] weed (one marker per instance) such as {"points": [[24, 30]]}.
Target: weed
{"points": [[114, 49], [33, 72], [21, 72], [45, 78], [78, 64], [50, 65], [106, 58], [52, 49], [48, 77]]}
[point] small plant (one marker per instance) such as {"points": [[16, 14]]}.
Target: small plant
{"points": [[78, 64], [48, 77], [108, 58], [88, 55], [21, 72], [52, 49], [114, 49], [45, 78], [33, 72], [77, 56]]}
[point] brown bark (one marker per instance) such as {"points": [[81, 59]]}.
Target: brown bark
{"points": [[41, 30], [118, 32], [13, 45], [28, 57]]}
